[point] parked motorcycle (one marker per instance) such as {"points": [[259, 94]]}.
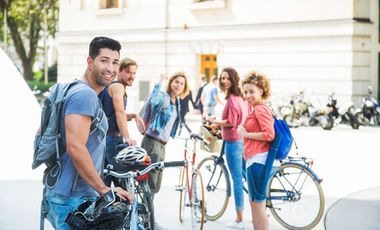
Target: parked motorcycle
{"points": [[297, 112], [370, 113], [335, 115], [316, 114]]}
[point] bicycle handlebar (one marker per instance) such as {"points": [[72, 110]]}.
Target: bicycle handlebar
{"points": [[195, 136], [157, 165], [174, 164]]}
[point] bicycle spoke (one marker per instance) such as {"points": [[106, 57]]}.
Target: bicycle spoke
{"points": [[295, 197], [216, 190]]}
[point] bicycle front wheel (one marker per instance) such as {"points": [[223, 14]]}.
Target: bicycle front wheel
{"points": [[216, 187], [295, 197], [197, 202], [182, 193], [146, 209]]}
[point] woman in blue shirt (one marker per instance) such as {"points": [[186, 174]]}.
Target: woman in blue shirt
{"points": [[163, 111]]}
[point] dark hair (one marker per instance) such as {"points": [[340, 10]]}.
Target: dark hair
{"points": [[234, 78], [102, 42], [125, 63]]}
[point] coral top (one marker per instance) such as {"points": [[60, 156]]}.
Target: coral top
{"points": [[260, 119]]}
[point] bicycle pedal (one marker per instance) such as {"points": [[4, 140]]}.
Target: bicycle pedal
{"points": [[179, 188]]}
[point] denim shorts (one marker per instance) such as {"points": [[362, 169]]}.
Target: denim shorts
{"points": [[60, 206], [255, 177]]}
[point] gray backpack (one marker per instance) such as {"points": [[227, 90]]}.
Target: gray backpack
{"points": [[48, 140]]}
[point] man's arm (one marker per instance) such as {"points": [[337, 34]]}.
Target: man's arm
{"points": [[117, 93], [77, 129]]}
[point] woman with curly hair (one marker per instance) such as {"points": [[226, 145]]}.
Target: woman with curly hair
{"points": [[258, 133], [234, 114]]}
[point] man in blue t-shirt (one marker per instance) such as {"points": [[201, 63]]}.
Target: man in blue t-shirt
{"points": [[82, 163], [210, 97]]}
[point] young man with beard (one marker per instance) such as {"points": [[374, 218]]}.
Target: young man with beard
{"points": [[114, 100]]}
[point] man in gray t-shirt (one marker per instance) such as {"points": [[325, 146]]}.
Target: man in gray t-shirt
{"points": [[81, 164]]}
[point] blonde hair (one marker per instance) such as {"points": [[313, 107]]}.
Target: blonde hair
{"points": [[125, 63], [185, 89], [260, 80]]}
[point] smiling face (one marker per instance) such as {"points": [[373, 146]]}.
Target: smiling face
{"points": [[225, 81], [128, 75], [177, 86], [104, 67], [252, 94]]}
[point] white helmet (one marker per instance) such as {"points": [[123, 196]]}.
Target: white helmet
{"points": [[132, 156]]}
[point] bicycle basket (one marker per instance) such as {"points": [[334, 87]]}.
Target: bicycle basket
{"points": [[213, 137]]}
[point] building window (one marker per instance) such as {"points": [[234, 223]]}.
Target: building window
{"points": [[207, 4], [109, 4], [209, 65]]}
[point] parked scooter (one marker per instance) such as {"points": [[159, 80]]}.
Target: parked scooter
{"points": [[316, 114], [335, 116], [297, 113], [370, 114]]}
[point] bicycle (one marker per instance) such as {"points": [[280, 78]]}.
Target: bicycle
{"points": [[191, 186], [294, 196], [138, 216]]}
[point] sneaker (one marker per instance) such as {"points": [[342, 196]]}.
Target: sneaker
{"points": [[234, 224], [158, 227]]}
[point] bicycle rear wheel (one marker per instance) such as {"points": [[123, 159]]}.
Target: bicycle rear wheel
{"points": [[216, 187], [182, 193], [197, 202], [295, 197]]}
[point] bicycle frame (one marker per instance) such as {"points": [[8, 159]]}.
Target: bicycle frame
{"points": [[189, 189], [187, 153], [293, 195], [303, 162], [217, 160], [130, 178], [292, 184]]}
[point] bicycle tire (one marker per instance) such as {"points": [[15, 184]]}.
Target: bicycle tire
{"points": [[295, 197], [182, 193], [217, 187], [146, 215], [197, 201]]}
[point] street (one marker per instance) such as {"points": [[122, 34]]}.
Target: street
{"points": [[346, 159]]}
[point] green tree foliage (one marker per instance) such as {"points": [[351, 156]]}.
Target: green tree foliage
{"points": [[25, 20]]}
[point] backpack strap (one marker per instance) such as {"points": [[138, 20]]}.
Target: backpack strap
{"points": [[97, 120]]}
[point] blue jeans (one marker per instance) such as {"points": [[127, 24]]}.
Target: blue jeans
{"points": [[257, 188], [60, 206], [234, 154], [111, 143]]}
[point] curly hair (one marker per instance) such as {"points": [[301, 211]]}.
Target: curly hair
{"points": [[234, 78], [185, 89], [260, 80]]}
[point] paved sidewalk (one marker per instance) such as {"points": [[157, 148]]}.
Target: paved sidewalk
{"points": [[361, 210], [335, 155]]}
